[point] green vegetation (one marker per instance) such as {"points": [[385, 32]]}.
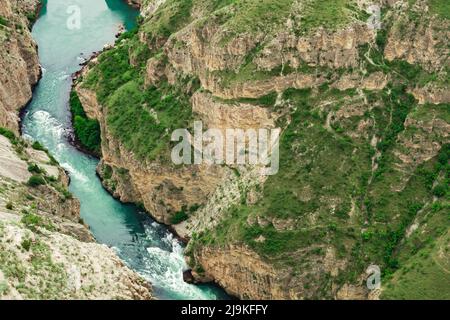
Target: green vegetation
{"points": [[263, 15], [52, 276], [8, 134], [38, 146], [26, 244], [87, 130], [34, 168], [36, 180], [184, 214], [263, 101], [141, 118], [4, 22], [179, 217], [440, 7], [329, 14], [169, 17], [33, 222]]}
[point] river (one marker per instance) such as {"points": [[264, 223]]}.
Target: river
{"points": [[146, 246]]}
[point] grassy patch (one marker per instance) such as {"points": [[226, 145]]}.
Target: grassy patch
{"points": [[4, 22], [51, 276], [34, 168], [8, 134], [258, 16]]}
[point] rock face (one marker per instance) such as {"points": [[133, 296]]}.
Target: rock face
{"points": [[135, 3], [363, 113], [19, 64], [46, 250], [161, 188]]}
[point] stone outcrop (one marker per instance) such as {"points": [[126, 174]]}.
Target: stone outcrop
{"points": [[19, 64]]}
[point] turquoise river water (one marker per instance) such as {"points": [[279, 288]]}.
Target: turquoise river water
{"points": [[146, 246]]}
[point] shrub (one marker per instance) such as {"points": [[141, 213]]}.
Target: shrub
{"points": [[381, 39], [9, 206], [444, 154], [31, 221], [35, 181], [4, 22], [67, 194], [179, 217]]}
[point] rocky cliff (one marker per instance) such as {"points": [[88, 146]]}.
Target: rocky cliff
{"points": [[363, 154], [19, 67]]}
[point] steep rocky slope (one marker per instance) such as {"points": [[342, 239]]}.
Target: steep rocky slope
{"points": [[363, 156], [19, 63], [46, 251]]}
